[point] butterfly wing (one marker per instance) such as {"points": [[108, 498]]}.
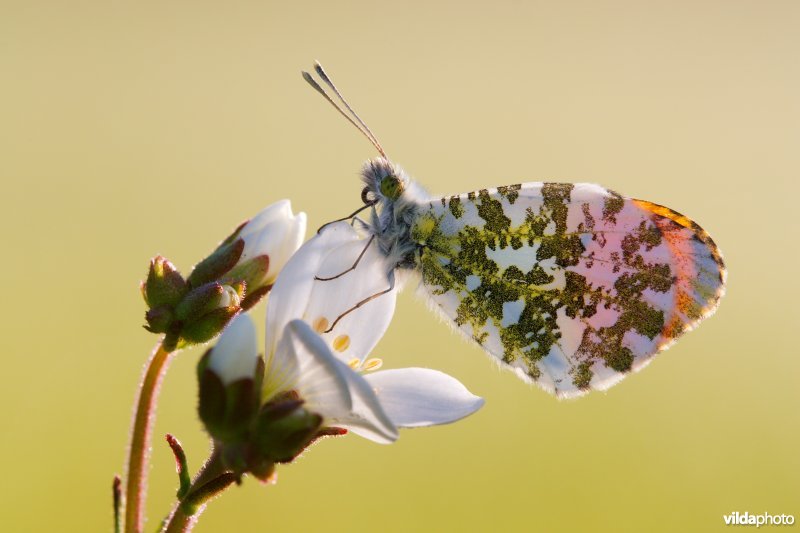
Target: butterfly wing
{"points": [[571, 285]]}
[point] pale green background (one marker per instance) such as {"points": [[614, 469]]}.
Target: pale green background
{"points": [[134, 128]]}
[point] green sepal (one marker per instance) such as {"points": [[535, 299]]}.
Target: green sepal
{"points": [[282, 439], [259, 377], [200, 301], [217, 264], [262, 469], [240, 287], [211, 405], [255, 296], [241, 405], [159, 319], [235, 456], [253, 271], [227, 410], [233, 236], [208, 326], [202, 364], [323, 433], [275, 410], [241, 458], [164, 285]]}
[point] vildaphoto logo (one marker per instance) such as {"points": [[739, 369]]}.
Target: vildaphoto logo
{"points": [[746, 519]]}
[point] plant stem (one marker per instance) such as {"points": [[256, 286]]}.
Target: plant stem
{"points": [[116, 488], [139, 450], [210, 481]]}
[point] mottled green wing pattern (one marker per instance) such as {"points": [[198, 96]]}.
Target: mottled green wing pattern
{"points": [[570, 285]]}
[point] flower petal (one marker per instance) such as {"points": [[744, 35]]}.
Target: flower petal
{"points": [[367, 417], [321, 380], [289, 296], [275, 211], [236, 353], [358, 331], [270, 232], [271, 240], [281, 370], [417, 397], [333, 390], [292, 240]]}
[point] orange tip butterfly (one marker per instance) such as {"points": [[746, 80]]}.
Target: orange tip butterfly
{"points": [[571, 286]]}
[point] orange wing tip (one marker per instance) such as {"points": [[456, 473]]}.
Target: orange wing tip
{"points": [[693, 310], [686, 222]]}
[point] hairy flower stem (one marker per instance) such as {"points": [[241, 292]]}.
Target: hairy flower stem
{"points": [[117, 493], [210, 481], [139, 450]]}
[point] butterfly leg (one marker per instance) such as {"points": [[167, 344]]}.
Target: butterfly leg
{"points": [[364, 224], [362, 302], [348, 217], [358, 260]]}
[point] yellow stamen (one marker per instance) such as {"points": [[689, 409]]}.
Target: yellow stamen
{"points": [[354, 363], [341, 343], [320, 324], [373, 364]]}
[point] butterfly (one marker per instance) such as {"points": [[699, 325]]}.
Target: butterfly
{"points": [[570, 285]]}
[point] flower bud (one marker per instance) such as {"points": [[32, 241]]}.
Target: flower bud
{"points": [[164, 285], [205, 299], [230, 378], [233, 278], [252, 273], [206, 327], [276, 233], [159, 319], [250, 257]]}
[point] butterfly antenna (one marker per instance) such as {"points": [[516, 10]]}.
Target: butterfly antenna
{"points": [[360, 125], [322, 74]]}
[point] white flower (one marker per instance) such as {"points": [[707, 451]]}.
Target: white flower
{"points": [[324, 368], [373, 405], [296, 294], [274, 232], [235, 355]]}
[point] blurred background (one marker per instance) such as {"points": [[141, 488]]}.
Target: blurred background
{"points": [[129, 129]]}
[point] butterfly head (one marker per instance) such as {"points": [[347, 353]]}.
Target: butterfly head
{"points": [[383, 181]]}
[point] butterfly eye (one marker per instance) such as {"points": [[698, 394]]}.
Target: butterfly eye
{"points": [[391, 187]]}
